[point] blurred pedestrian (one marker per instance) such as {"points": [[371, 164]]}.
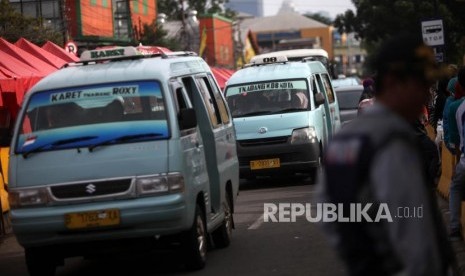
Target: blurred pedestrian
{"points": [[436, 118], [368, 89], [377, 162], [445, 117], [431, 160], [457, 186]]}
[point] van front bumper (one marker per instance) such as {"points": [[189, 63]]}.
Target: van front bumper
{"points": [[140, 217], [300, 158]]}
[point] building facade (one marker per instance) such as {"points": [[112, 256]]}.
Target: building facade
{"points": [[217, 33], [92, 22], [289, 30]]}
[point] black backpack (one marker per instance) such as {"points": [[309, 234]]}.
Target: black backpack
{"points": [[365, 246]]}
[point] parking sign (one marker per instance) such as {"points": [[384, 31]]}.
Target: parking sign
{"points": [[433, 32], [71, 47]]}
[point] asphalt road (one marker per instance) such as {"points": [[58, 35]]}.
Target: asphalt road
{"points": [[258, 248]]}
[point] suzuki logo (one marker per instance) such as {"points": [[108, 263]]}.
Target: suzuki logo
{"points": [[262, 130], [90, 189]]}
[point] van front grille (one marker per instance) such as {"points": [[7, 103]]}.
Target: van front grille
{"points": [[264, 141], [91, 189]]}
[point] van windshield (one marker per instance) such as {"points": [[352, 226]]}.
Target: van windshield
{"points": [[91, 115], [271, 97]]}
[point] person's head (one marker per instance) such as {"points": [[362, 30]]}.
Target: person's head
{"points": [[369, 86], [451, 86], [405, 69], [368, 82], [452, 70]]}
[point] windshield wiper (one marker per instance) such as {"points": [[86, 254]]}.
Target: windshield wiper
{"points": [[124, 138], [58, 143], [287, 110], [254, 113]]}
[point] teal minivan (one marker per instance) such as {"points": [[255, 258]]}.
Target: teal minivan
{"points": [[284, 113], [123, 150]]}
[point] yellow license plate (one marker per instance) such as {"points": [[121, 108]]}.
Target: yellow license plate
{"points": [[265, 164], [92, 219]]}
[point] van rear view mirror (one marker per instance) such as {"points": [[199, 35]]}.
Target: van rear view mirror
{"points": [[187, 118], [319, 99]]}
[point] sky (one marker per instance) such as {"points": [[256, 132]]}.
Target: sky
{"points": [[334, 7]]}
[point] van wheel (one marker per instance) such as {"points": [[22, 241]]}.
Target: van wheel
{"points": [[223, 235], [195, 243], [40, 262]]}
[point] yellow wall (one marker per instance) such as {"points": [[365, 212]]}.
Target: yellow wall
{"points": [[325, 35], [4, 177]]}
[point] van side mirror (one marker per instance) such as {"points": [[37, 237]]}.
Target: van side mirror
{"points": [[187, 118], [319, 99]]}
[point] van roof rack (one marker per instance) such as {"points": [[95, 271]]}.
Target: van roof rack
{"points": [[267, 60], [125, 53]]}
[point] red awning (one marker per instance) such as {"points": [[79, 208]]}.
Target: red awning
{"points": [[40, 53], [221, 75], [43, 67], [59, 52], [16, 67]]}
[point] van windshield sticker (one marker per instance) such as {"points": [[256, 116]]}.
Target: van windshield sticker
{"points": [[88, 115], [71, 96], [275, 85]]}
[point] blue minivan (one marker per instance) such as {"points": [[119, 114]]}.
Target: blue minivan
{"points": [[123, 150], [284, 113]]}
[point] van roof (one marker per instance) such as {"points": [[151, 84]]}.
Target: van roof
{"points": [[276, 71], [142, 68], [296, 54]]}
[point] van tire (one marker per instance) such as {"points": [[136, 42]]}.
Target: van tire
{"points": [[196, 242], [40, 262], [223, 235]]}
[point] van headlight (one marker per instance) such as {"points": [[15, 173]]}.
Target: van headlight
{"points": [[303, 135], [27, 197], [160, 184]]}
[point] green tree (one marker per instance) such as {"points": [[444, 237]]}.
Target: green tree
{"points": [[375, 20], [154, 34], [13, 25], [320, 18]]}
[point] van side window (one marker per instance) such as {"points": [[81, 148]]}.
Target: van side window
{"points": [[181, 102], [329, 88], [188, 83], [313, 86], [321, 88], [209, 101], [219, 100]]}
